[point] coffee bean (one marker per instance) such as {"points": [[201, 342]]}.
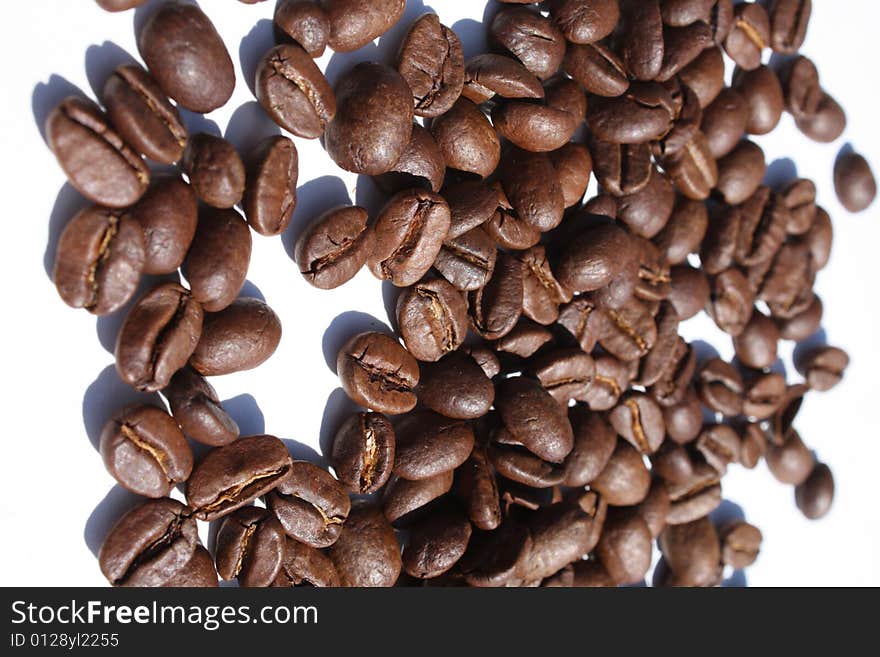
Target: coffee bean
{"points": [[720, 446], [820, 238], [294, 92], [786, 413], [692, 552], [787, 287], [629, 331], [753, 446], [471, 204], [436, 543], [533, 127], [684, 419], [688, 161], [250, 547], [740, 544], [790, 462], [621, 168], [378, 373], [532, 38], [673, 463], [724, 122], [374, 117], [573, 166], [854, 182], [519, 401], [611, 379], [801, 88], [456, 387], [485, 358], [826, 124], [432, 63], [682, 45], [143, 115], [642, 39], [420, 165], [240, 337], [580, 319], [495, 308], [822, 367], [720, 387], [740, 172], [310, 504], [662, 355], [542, 293], [683, 232], [215, 170], [639, 420], [99, 260], [94, 157], [199, 572], [429, 444], [646, 211], [788, 24], [585, 21], [306, 23], [149, 544], [802, 325], [270, 193], [695, 498], [762, 92], [432, 317], [730, 304], [231, 476], [565, 373], [507, 229], [594, 443], [799, 198], [404, 499], [363, 452], [593, 258], [641, 114], [756, 345], [489, 74], [478, 490], [367, 552], [815, 495], [519, 465], [764, 395], [179, 44], [749, 35], [625, 480], [672, 387], [655, 507], [334, 246], [353, 24], [524, 339], [467, 261], [625, 546], [168, 215], [597, 69], [158, 336], [705, 76], [196, 407], [689, 291], [305, 566]]}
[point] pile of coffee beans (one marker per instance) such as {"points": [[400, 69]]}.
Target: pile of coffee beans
{"points": [[537, 419]]}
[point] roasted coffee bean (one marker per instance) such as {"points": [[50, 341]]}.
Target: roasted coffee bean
{"points": [[787, 286], [662, 355], [363, 452], [432, 63], [672, 387], [99, 260], [689, 291], [310, 504], [641, 114], [790, 462], [536, 128], [692, 552], [764, 395], [158, 336], [198, 572], [378, 373], [471, 204], [306, 23], [374, 117], [740, 544], [695, 498], [854, 182], [179, 44], [94, 157], [542, 293], [270, 193], [215, 170], [436, 543], [353, 24], [565, 373], [724, 122], [653, 284], [822, 367], [646, 211], [720, 387], [489, 74], [409, 230], [684, 419], [655, 507], [196, 407], [467, 139], [168, 215], [532, 186], [594, 443], [402, 497], [621, 168], [519, 402], [334, 246], [597, 69], [420, 165], [688, 161], [149, 544], [493, 558], [429, 444], [820, 238], [485, 358], [231, 476], [478, 490], [573, 165], [753, 446], [467, 261], [585, 21], [673, 463], [250, 547], [524, 339], [788, 24], [801, 88], [625, 546], [705, 76], [507, 229], [826, 124], [748, 36], [639, 420], [756, 345], [740, 172], [720, 446], [143, 115], [495, 308], [144, 450], [730, 304], [682, 45], [802, 325], [815, 495], [305, 566], [683, 232], [367, 552], [610, 381], [580, 318], [629, 331], [787, 412], [762, 92], [799, 198], [625, 480], [240, 337], [456, 387], [432, 317], [532, 38], [519, 465], [642, 39], [593, 258]]}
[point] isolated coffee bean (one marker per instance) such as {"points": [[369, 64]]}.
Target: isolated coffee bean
{"points": [[334, 246], [240, 337], [215, 170], [740, 172], [367, 552], [95, 159], [594, 443], [788, 24], [270, 193], [305, 566], [815, 495], [251, 547], [294, 92], [144, 450], [149, 544], [740, 544], [158, 336], [468, 141], [478, 489], [495, 308], [99, 260], [641, 114], [310, 504], [748, 36], [405, 499], [305, 22], [625, 546], [168, 215], [432, 317], [179, 45], [822, 367], [724, 122], [756, 345], [196, 407], [763, 95], [456, 387], [625, 480], [143, 115], [378, 373], [374, 117], [353, 24], [854, 182], [436, 543], [231, 476], [519, 401], [764, 395], [429, 444], [720, 387], [363, 452], [432, 63], [587, 21], [535, 40], [198, 572]]}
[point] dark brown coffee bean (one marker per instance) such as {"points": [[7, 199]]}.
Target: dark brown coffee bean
{"points": [[854, 182], [428, 444], [581, 319], [432, 63], [629, 331], [198, 572], [655, 507], [826, 124], [250, 547], [542, 293], [363, 452], [507, 229], [642, 39], [749, 35], [763, 396], [532, 38], [683, 232], [689, 291], [662, 355], [367, 552], [822, 367], [720, 387], [802, 325], [519, 401], [143, 115], [420, 165], [673, 385], [720, 446], [471, 204], [756, 345], [495, 308], [374, 118], [524, 339], [467, 261], [730, 304], [673, 463], [695, 498], [489, 74], [787, 286], [682, 45], [692, 552], [305, 566], [436, 543], [799, 198], [705, 76], [432, 317], [149, 544], [378, 373], [533, 127], [815, 495], [621, 168], [639, 420], [610, 381], [792, 461], [467, 139], [196, 407], [158, 336], [592, 259], [565, 373], [353, 24], [94, 157], [724, 122], [334, 246], [625, 546], [231, 476], [740, 544], [719, 246], [641, 114], [753, 446], [240, 337], [532, 186], [782, 420], [688, 161], [625, 480], [788, 24], [820, 238], [684, 419], [763, 95], [594, 443], [740, 172], [306, 23], [402, 497], [310, 504], [573, 165], [801, 88], [144, 450], [521, 466], [215, 170], [585, 21], [456, 387], [168, 214], [597, 69], [270, 193], [179, 45], [646, 211], [478, 490]]}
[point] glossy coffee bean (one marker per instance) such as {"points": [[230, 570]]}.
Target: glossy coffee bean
{"points": [[215, 170], [683, 232], [764, 395], [524, 339], [240, 337], [684, 419], [730, 303], [94, 157], [334, 246], [594, 443], [792, 461], [753, 446], [582, 320], [436, 543], [532, 186], [655, 507], [724, 122], [432, 317], [642, 44], [363, 452], [763, 95], [517, 464], [826, 124], [815, 494], [756, 345], [625, 480], [305, 566], [420, 165], [740, 544], [429, 444], [610, 381], [378, 373], [596, 68], [99, 260], [168, 215], [519, 401], [535, 40], [542, 293], [250, 547], [467, 261], [854, 182], [196, 408], [639, 115], [565, 373], [822, 367], [158, 337], [788, 24], [495, 308], [573, 165], [403, 499], [507, 229], [456, 387], [705, 76], [689, 291], [629, 332], [353, 24], [488, 74], [720, 446], [535, 128], [688, 162], [682, 45], [585, 21], [367, 552], [646, 211], [593, 258], [270, 193], [305, 22], [696, 497], [478, 489], [471, 204], [801, 87], [231, 476], [802, 325], [432, 63], [625, 546], [740, 172], [799, 198], [179, 45]]}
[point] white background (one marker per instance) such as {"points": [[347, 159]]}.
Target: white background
{"points": [[59, 384]]}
